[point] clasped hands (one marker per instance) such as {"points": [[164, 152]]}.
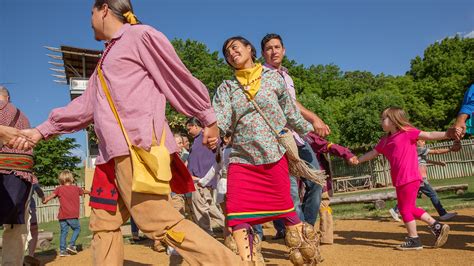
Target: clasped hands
{"points": [[456, 132], [24, 139], [211, 136]]}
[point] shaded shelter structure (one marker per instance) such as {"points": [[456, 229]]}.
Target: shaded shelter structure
{"points": [[73, 66]]}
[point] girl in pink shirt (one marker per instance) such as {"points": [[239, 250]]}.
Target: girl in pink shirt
{"points": [[399, 147]]}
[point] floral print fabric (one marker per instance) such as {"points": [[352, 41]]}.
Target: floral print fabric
{"points": [[253, 140]]}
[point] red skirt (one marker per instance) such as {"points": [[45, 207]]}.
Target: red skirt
{"points": [[258, 193]]}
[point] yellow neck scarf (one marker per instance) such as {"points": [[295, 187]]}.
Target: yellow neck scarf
{"points": [[250, 79]]}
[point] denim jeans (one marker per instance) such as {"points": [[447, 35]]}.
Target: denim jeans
{"points": [[258, 229], [428, 190], [133, 227], [278, 224], [76, 229], [312, 196]]}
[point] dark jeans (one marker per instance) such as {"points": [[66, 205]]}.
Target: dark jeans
{"points": [[308, 210], [428, 190], [133, 227], [312, 196], [14, 193], [258, 229], [76, 229]]}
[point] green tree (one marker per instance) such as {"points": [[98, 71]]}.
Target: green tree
{"points": [[205, 66], [326, 77], [304, 80], [326, 111], [360, 124], [451, 56], [53, 156], [442, 76]]}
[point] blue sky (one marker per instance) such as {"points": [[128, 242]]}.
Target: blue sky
{"points": [[373, 35]]}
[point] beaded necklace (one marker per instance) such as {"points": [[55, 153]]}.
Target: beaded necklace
{"points": [[251, 82]]}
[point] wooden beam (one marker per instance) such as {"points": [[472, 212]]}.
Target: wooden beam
{"points": [[57, 70], [58, 57], [367, 198], [364, 198], [54, 49], [451, 188], [56, 64]]}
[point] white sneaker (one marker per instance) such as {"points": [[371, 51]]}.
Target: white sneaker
{"points": [[394, 215], [448, 216]]}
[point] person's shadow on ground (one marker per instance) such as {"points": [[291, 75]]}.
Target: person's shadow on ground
{"points": [[133, 263], [456, 239]]}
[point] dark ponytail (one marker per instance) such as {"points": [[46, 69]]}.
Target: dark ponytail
{"points": [[118, 7]]}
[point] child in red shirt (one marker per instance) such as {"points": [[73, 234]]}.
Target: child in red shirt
{"points": [[69, 204]]}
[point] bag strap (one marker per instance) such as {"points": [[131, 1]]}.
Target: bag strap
{"points": [[255, 105], [15, 118], [114, 109], [111, 102]]}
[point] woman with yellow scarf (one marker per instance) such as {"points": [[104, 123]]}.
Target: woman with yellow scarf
{"points": [[258, 183]]}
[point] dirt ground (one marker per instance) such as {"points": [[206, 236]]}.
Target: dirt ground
{"points": [[357, 242]]}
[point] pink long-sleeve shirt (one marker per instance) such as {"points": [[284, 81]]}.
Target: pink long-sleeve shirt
{"points": [[142, 71]]}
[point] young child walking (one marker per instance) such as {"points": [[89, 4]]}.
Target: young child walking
{"points": [[69, 198], [399, 147], [425, 187]]}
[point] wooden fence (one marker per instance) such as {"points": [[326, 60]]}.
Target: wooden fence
{"points": [[49, 212], [458, 164]]}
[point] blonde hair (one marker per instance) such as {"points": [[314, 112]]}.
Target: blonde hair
{"points": [[66, 176], [398, 117]]}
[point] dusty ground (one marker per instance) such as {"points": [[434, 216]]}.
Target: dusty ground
{"points": [[357, 242]]}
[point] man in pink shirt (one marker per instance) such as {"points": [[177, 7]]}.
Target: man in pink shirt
{"points": [[273, 51], [142, 72]]}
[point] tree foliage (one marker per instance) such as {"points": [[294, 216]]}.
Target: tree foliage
{"points": [[203, 64], [360, 125], [53, 156], [442, 76]]}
